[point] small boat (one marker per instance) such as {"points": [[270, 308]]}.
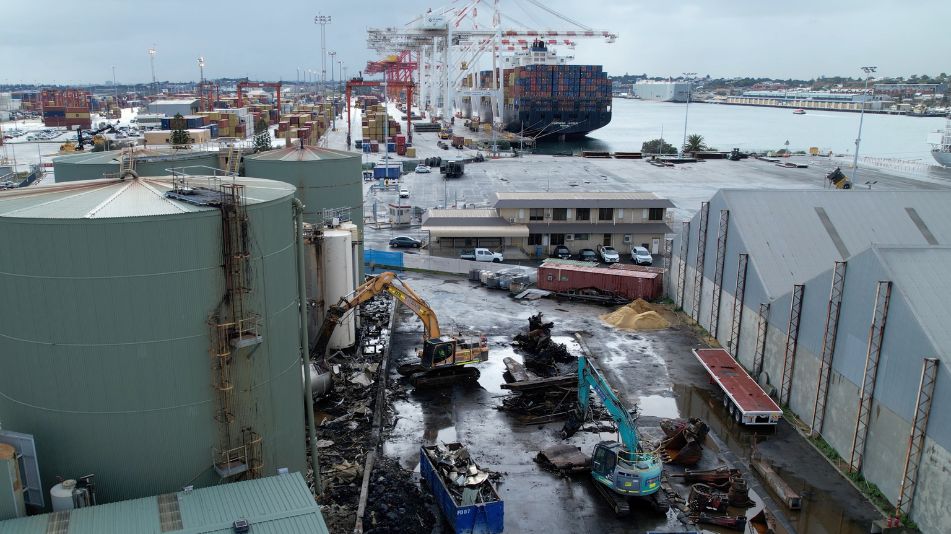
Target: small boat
{"points": [[799, 111]]}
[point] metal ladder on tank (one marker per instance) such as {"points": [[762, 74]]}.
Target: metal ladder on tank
{"points": [[239, 451], [232, 161]]}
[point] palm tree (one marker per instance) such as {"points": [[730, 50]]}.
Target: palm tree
{"points": [[695, 144]]}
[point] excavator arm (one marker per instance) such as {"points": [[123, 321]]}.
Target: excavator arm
{"points": [[389, 283], [590, 377]]}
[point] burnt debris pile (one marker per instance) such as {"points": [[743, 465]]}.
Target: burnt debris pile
{"points": [[543, 356]]}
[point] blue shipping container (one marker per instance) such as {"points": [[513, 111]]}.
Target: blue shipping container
{"points": [[391, 147], [482, 518], [393, 171], [366, 147]]}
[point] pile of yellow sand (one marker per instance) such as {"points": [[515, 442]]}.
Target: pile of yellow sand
{"points": [[638, 315]]}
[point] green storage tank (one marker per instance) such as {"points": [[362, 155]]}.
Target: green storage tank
{"points": [[148, 162], [112, 297]]}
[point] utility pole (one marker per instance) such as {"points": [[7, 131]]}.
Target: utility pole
{"points": [[201, 83], [858, 140], [115, 88], [333, 91], [323, 21], [152, 64], [689, 76]]}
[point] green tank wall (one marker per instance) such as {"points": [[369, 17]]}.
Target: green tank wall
{"points": [[104, 346], [93, 166], [321, 184]]}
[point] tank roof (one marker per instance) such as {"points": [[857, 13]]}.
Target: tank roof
{"points": [[144, 154], [113, 198], [307, 153]]}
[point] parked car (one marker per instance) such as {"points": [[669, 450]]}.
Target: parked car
{"points": [[405, 241], [422, 169], [641, 256], [562, 252], [404, 193], [481, 254], [587, 254], [608, 254]]}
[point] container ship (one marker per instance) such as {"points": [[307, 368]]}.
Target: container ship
{"points": [[69, 108], [546, 97], [941, 145]]}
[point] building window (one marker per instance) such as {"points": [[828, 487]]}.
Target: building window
{"points": [[559, 214], [534, 239], [656, 214], [536, 214], [581, 237], [606, 214], [607, 240], [557, 239], [583, 214]]}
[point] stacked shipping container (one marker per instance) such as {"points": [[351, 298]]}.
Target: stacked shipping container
{"points": [[68, 107], [557, 99]]}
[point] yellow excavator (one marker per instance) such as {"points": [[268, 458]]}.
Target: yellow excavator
{"points": [[838, 179], [443, 358]]}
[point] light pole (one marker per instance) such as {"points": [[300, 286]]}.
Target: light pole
{"points": [[689, 76], [152, 65], [333, 91], [115, 88], [323, 21], [858, 140]]}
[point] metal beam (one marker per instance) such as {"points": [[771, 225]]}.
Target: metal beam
{"points": [[682, 275], [792, 342], [833, 311], [916, 442], [734, 343], [701, 251], [876, 333], [761, 330], [668, 260], [718, 272]]}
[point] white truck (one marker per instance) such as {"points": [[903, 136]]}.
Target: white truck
{"points": [[481, 254]]}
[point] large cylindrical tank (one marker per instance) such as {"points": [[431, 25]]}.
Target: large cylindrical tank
{"points": [[325, 179], [110, 291], [61, 495], [90, 165], [337, 266]]}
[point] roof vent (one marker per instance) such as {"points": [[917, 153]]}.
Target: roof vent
{"points": [[241, 526]]}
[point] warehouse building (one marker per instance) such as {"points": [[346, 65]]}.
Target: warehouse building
{"points": [[839, 303], [170, 107]]}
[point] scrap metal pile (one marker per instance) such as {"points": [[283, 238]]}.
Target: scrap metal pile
{"points": [[466, 482], [543, 356], [712, 493], [683, 443]]}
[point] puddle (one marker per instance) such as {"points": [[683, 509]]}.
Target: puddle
{"points": [[658, 406]]}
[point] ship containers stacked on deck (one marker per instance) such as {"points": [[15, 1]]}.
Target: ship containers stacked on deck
{"points": [[547, 93]]}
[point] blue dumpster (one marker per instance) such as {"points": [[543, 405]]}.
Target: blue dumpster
{"points": [[480, 518]]}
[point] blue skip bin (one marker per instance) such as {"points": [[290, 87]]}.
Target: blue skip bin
{"points": [[485, 516]]}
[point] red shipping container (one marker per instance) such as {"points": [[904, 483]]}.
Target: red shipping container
{"points": [[627, 284]]}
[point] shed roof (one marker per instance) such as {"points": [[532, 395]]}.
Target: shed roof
{"points": [[792, 236], [572, 199], [921, 274], [275, 504], [307, 153], [112, 198], [111, 157], [175, 101], [622, 273]]}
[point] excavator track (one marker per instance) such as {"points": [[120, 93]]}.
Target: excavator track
{"points": [[442, 377]]}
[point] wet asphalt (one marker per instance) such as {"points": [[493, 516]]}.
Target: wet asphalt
{"points": [[655, 370]]}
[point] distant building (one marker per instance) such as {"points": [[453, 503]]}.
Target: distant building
{"points": [[661, 91], [911, 89], [184, 106], [534, 223], [807, 99]]}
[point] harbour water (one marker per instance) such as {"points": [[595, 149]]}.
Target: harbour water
{"points": [[757, 128]]}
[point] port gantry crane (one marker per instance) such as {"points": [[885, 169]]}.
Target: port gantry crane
{"points": [[443, 360], [450, 41], [624, 470]]}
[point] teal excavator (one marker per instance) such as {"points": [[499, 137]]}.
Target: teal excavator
{"points": [[624, 470]]}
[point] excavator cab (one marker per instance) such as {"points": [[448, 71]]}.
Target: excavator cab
{"points": [[633, 474], [436, 351], [839, 179]]}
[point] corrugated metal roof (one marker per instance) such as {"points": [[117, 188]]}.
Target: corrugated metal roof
{"points": [[576, 199], [515, 230], [464, 218], [275, 504], [599, 228], [177, 101], [109, 198], [599, 270], [308, 153], [921, 274], [792, 236], [111, 157]]}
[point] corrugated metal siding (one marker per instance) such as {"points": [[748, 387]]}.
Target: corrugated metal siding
{"points": [[629, 284], [104, 345]]}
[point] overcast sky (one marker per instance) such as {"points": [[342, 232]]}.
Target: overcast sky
{"points": [[47, 41]]}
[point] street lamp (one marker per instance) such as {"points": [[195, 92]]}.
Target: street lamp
{"points": [[115, 88], [858, 140], [688, 76], [323, 21], [333, 91], [152, 64], [201, 68]]}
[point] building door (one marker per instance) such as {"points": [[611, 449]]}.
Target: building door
{"points": [[607, 240], [655, 245]]}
